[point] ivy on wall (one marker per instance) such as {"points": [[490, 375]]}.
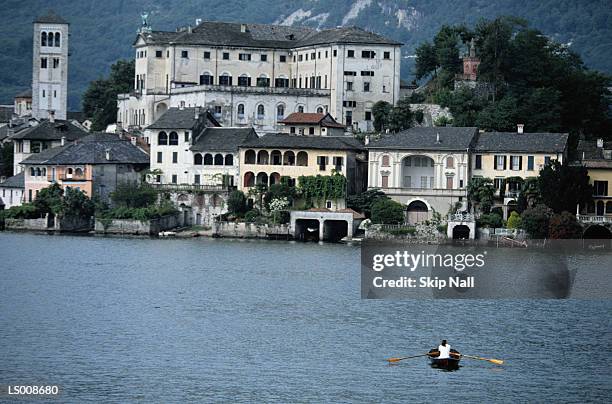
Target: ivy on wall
{"points": [[322, 187]]}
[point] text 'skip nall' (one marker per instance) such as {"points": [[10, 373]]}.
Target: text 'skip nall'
{"points": [[411, 262]]}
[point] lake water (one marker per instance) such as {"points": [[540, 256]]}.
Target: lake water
{"points": [[206, 320]]}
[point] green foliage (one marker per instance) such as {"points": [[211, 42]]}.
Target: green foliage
{"points": [[6, 159], [49, 200], [490, 220], [236, 203], [481, 191], [535, 220], [133, 195], [363, 201], [426, 60], [400, 117], [570, 182], [514, 221], [443, 121], [76, 203], [321, 188], [380, 113], [564, 226], [402, 231], [100, 98], [142, 214], [419, 116], [251, 216], [23, 211], [279, 191], [387, 211]]}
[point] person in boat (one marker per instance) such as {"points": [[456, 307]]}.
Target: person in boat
{"points": [[444, 351]]}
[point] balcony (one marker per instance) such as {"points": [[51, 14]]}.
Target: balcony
{"points": [[460, 217], [594, 219], [424, 191], [306, 92], [190, 187]]}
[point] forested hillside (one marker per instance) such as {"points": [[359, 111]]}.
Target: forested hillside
{"points": [[102, 32]]}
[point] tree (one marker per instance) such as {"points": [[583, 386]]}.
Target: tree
{"points": [[564, 226], [387, 211], [535, 220], [49, 199], [236, 203], [529, 195], [279, 191], [380, 112], [481, 191], [514, 221], [100, 98], [6, 159], [133, 195], [446, 43], [363, 202], [426, 60], [572, 182], [401, 117], [76, 203]]}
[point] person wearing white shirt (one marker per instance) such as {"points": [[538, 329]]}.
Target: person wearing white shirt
{"points": [[444, 350]]}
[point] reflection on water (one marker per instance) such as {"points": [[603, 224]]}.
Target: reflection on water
{"points": [[111, 319]]}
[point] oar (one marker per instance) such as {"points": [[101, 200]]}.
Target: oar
{"points": [[393, 360], [495, 361]]}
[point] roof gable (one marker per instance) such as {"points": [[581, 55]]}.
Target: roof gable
{"points": [[428, 138], [543, 142]]}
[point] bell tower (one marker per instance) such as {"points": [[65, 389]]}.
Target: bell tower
{"points": [[50, 67]]}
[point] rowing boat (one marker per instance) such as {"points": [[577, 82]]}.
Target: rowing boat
{"points": [[451, 363]]}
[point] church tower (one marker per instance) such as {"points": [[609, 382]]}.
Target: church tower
{"points": [[50, 67]]}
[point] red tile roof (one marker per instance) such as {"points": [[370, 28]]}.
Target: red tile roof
{"points": [[310, 118]]}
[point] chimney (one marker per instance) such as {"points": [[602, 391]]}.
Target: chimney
{"points": [[189, 29], [600, 143], [52, 116], [367, 140], [197, 113], [243, 28], [108, 154], [438, 138], [520, 127], [63, 141], [198, 21], [133, 140]]}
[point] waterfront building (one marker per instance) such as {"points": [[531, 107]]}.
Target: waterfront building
{"points": [[267, 159], [596, 156], [425, 168], [23, 103], [311, 123], [50, 67], [47, 134], [94, 164], [11, 191], [257, 74], [508, 158]]}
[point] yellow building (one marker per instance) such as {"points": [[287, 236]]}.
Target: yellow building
{"points": [[596, 156], [503, 156], [266, 159]]}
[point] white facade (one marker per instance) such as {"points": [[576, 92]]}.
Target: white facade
{"points": [[11, 196], [340, 78], [435, 179], [50, 70]]}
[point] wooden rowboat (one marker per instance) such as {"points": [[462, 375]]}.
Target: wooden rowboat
{"points": [[451, 363]]}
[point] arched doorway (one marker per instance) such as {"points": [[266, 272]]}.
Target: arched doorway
{"points": [[512, 207], [597, 232], [416, 212], [160, 109], [461, 232]]}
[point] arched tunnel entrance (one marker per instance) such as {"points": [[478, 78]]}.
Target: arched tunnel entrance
{"points": [[334, 230], [597, 232], [461, 232], [307, 229]]}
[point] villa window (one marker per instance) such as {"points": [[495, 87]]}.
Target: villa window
{"points": [[282, 58], [516, 163], [174, 178], [600, 188], [206, 55], [43, 39], [162, 139], [338, 162], [240, 110], [197, 159], [173, 139], [546, 160], [450, 162], [301, 109], [244, 81], [368, 54], [385, 181], [174, 157], [319, 110], [218, 110], [281, 82], [229, 160], [196, 179], [264, 58], [185, 54], [350, 54], [226, 56], [57, 39], [159, 157], [407, 181], [498, 183], [56, 62], [206, 79], [322, 162], [263, 81], [244, 56], [43, 63], [280, 111], [225, 80], [500, 163], [385, 160], [478, 162], [387, 55], [311, 130], [366, 87], [530, 163], [260, 111], [449, 182]]}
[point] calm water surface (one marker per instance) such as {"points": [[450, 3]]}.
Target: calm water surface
{"points": [[112, 319]]}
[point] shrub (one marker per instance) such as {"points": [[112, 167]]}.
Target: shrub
{"points": [[490, 220], [236, 203], [514, 221], [402, 231], [564, 226], [251, 216], [535, 220], [24, 211], [387, 211], [133, 195]]}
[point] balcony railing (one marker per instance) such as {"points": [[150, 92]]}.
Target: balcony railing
{"points": [[254, 90], [425, 191], [460, 217], [190, 187], [594, 219]]}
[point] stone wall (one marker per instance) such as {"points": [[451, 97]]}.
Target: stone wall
{"points": [[249, 230], [147, 227], [431, 112], [26, 224]]}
